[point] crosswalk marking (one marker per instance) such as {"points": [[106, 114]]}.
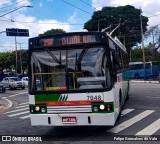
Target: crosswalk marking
{"points": [[23, 113], [12, 115], [150, 130], [23, 103], [24, 117], [22, 106], [126, 111], [130, 122], [16, 110]]}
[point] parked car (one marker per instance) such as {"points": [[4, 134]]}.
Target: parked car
{"points": [[2, 88], [13, 83], [25, 80]]}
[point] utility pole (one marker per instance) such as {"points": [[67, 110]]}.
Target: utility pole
{"points": [[20, 57], [143, 53], [16, 54]]}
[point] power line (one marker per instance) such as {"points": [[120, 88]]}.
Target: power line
{"points": [[76, 7], [88, 4], [22, 24], [10, 20], [153, 15]]}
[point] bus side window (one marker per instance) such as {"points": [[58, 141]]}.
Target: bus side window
{"points": [[114, 63]]}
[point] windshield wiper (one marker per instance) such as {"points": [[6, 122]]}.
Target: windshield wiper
{"points": [[52, 55]]}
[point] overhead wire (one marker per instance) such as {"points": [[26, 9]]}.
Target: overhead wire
{"points": [[76, 7], [89, 5]]}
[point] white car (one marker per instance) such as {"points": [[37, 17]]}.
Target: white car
{"points": [[25, 80], [13, 83]]}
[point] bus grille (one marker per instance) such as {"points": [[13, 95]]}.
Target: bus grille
{"points": [[69, 109]]}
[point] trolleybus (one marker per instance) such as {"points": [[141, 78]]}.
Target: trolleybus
{"points": [[84, 79], [137, 70]]}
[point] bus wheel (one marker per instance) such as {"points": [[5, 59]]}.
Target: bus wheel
{"points": [[120, 108], [127, 98]]}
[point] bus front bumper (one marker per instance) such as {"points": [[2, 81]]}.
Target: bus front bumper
{"points": [[79, 119]]}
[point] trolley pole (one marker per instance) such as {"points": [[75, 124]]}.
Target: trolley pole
{"points": [[143, 52]]}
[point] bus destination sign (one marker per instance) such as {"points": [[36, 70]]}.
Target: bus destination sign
{"points": [[66, 40]]}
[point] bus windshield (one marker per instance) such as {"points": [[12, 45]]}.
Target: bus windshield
{"points": [[69, 69]]}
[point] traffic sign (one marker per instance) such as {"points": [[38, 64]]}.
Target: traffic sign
{"points": [[17, 32]]}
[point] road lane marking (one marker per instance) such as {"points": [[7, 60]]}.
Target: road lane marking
{"points": [[126, 111], [22, 106], [9, 103], [24, 117], [12, 115], [17, 94], [16, 110], [23, 103], [130, 122], [150, 130]]}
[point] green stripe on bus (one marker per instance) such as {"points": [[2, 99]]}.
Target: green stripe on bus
{"points": [[47, 97]]}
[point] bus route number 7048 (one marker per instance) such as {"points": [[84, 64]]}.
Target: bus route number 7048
{"points": [[96, 97]]}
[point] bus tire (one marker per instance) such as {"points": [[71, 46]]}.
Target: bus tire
{"points": [[127, 98], [120, 108]]}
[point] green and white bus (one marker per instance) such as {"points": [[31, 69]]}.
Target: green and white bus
{"points": [[84, 79]]}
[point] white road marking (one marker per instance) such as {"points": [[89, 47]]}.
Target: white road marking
{"points": [[24, 117], [22, 106], [23, 103], [126, 111], [17, 94], [9, 103], [130, 122], [16, 110], [18, 114], [150, 130]]}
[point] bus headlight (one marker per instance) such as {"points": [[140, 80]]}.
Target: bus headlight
{"points": [[102, 107], [37, 108], [43, 110]]}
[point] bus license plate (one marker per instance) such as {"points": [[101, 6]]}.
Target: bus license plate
{"points": [[69, 120]]}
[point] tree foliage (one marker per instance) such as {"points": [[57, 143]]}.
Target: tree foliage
{"points": [[8, 60], [129, 18], [136, 55], [154, 34], [52, 31]]}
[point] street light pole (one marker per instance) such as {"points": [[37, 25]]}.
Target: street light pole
{"points": [[15, 10], [143, 53]]}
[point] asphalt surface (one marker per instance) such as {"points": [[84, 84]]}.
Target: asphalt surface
{"points": [[144, 100]]}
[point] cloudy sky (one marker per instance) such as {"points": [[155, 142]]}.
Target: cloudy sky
{"points": [[69, 15]]}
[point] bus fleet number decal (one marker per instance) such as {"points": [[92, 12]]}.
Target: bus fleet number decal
{"points": [[96, 97]]}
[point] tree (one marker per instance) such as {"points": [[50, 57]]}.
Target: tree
{"points": [[8, 60], [129, 18], [52, 31], [154, 34]]}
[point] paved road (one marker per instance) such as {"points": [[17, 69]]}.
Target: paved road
{"points": [[140, 116]]}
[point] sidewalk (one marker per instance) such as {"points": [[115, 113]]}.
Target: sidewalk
{"points": [[3, 104], [145, 81]]}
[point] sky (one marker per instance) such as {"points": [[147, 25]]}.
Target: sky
{"points": [[69, 15]]}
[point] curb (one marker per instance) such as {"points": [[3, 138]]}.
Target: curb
{"points": [[143, 81]]}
